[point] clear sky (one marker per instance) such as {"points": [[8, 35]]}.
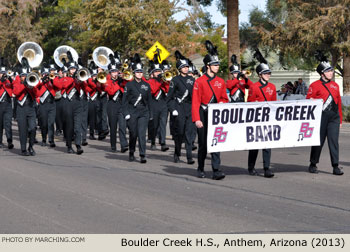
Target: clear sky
{"points": [[244, 6]]}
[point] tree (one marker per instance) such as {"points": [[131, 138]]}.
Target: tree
{"points": [[230, 9], [313, 25], [129, 26], [19, 22]]}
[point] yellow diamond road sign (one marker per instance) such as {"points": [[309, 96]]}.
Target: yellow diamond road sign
{"points": [[157, 48]]}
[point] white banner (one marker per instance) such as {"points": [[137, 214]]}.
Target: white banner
{"points": [[263, 125]]}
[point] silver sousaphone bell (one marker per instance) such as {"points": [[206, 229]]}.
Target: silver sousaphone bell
{"points": [[32, 51], [101, 56], [61, 53]]}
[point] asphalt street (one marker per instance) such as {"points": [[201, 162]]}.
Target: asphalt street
{"points": [[102, 192]]}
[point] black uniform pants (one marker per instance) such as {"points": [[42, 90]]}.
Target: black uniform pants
{"points": [[137, 124], [6, 120], [253, 154], [84, 117], [160, 113], [101, 114], [183, 129], [92, 116], [59, 114], [202, 144], [72, 121], [330, 122], [115, 118], [47, 116], [26, 118]]}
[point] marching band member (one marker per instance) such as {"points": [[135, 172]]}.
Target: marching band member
{"points": [[26, 116], [72, 109], [83, 95], [332, 117], [261, 91], [180, 103], [5, 105], [158, 103], [137, 109], [47, 89], [239, 82], [101, 113], [115, 89], [93, 93], [208, 88]]}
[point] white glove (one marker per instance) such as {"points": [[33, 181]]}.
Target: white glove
{"points": [[175, 113], [127, 117]]}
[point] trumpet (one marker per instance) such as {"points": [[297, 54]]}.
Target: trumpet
{"points": [[32, 79], [102, 77], [83, 74], [125, 66], [246, 74], [168, 76], [127, 75], [52, 76], [9, 73]]}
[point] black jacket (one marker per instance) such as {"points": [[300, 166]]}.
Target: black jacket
{"points": [[132, 92]]}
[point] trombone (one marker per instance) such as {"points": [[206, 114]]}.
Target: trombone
{"points": [[83, 74], [32, 79]]}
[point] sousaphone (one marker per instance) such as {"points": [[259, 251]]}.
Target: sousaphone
{"points": [[32, 51], [61, 53], [101, 56]]}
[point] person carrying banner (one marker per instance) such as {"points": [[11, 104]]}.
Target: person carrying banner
{"points": [[261, 91], [327, 90], [207, 89]]}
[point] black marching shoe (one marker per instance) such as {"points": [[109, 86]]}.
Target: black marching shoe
{"points": [[70, 150], [113, 149], [218, 175], [313, 168], [164, 147], [123, 150], [143, 160], [24, 153], [194, 147], [92, 137], [131, 157], [190, 161], [31, 151], [79, 150], [52, 144], [84, 143], [43, 143], [268, 173], [252, 172], [10, 146], [101, 137], [337, 171], [153, 147], [176, 158], [201, 174]]}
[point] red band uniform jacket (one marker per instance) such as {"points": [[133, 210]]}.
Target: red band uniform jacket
{"points": [[319, 90], [202, 93]]}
